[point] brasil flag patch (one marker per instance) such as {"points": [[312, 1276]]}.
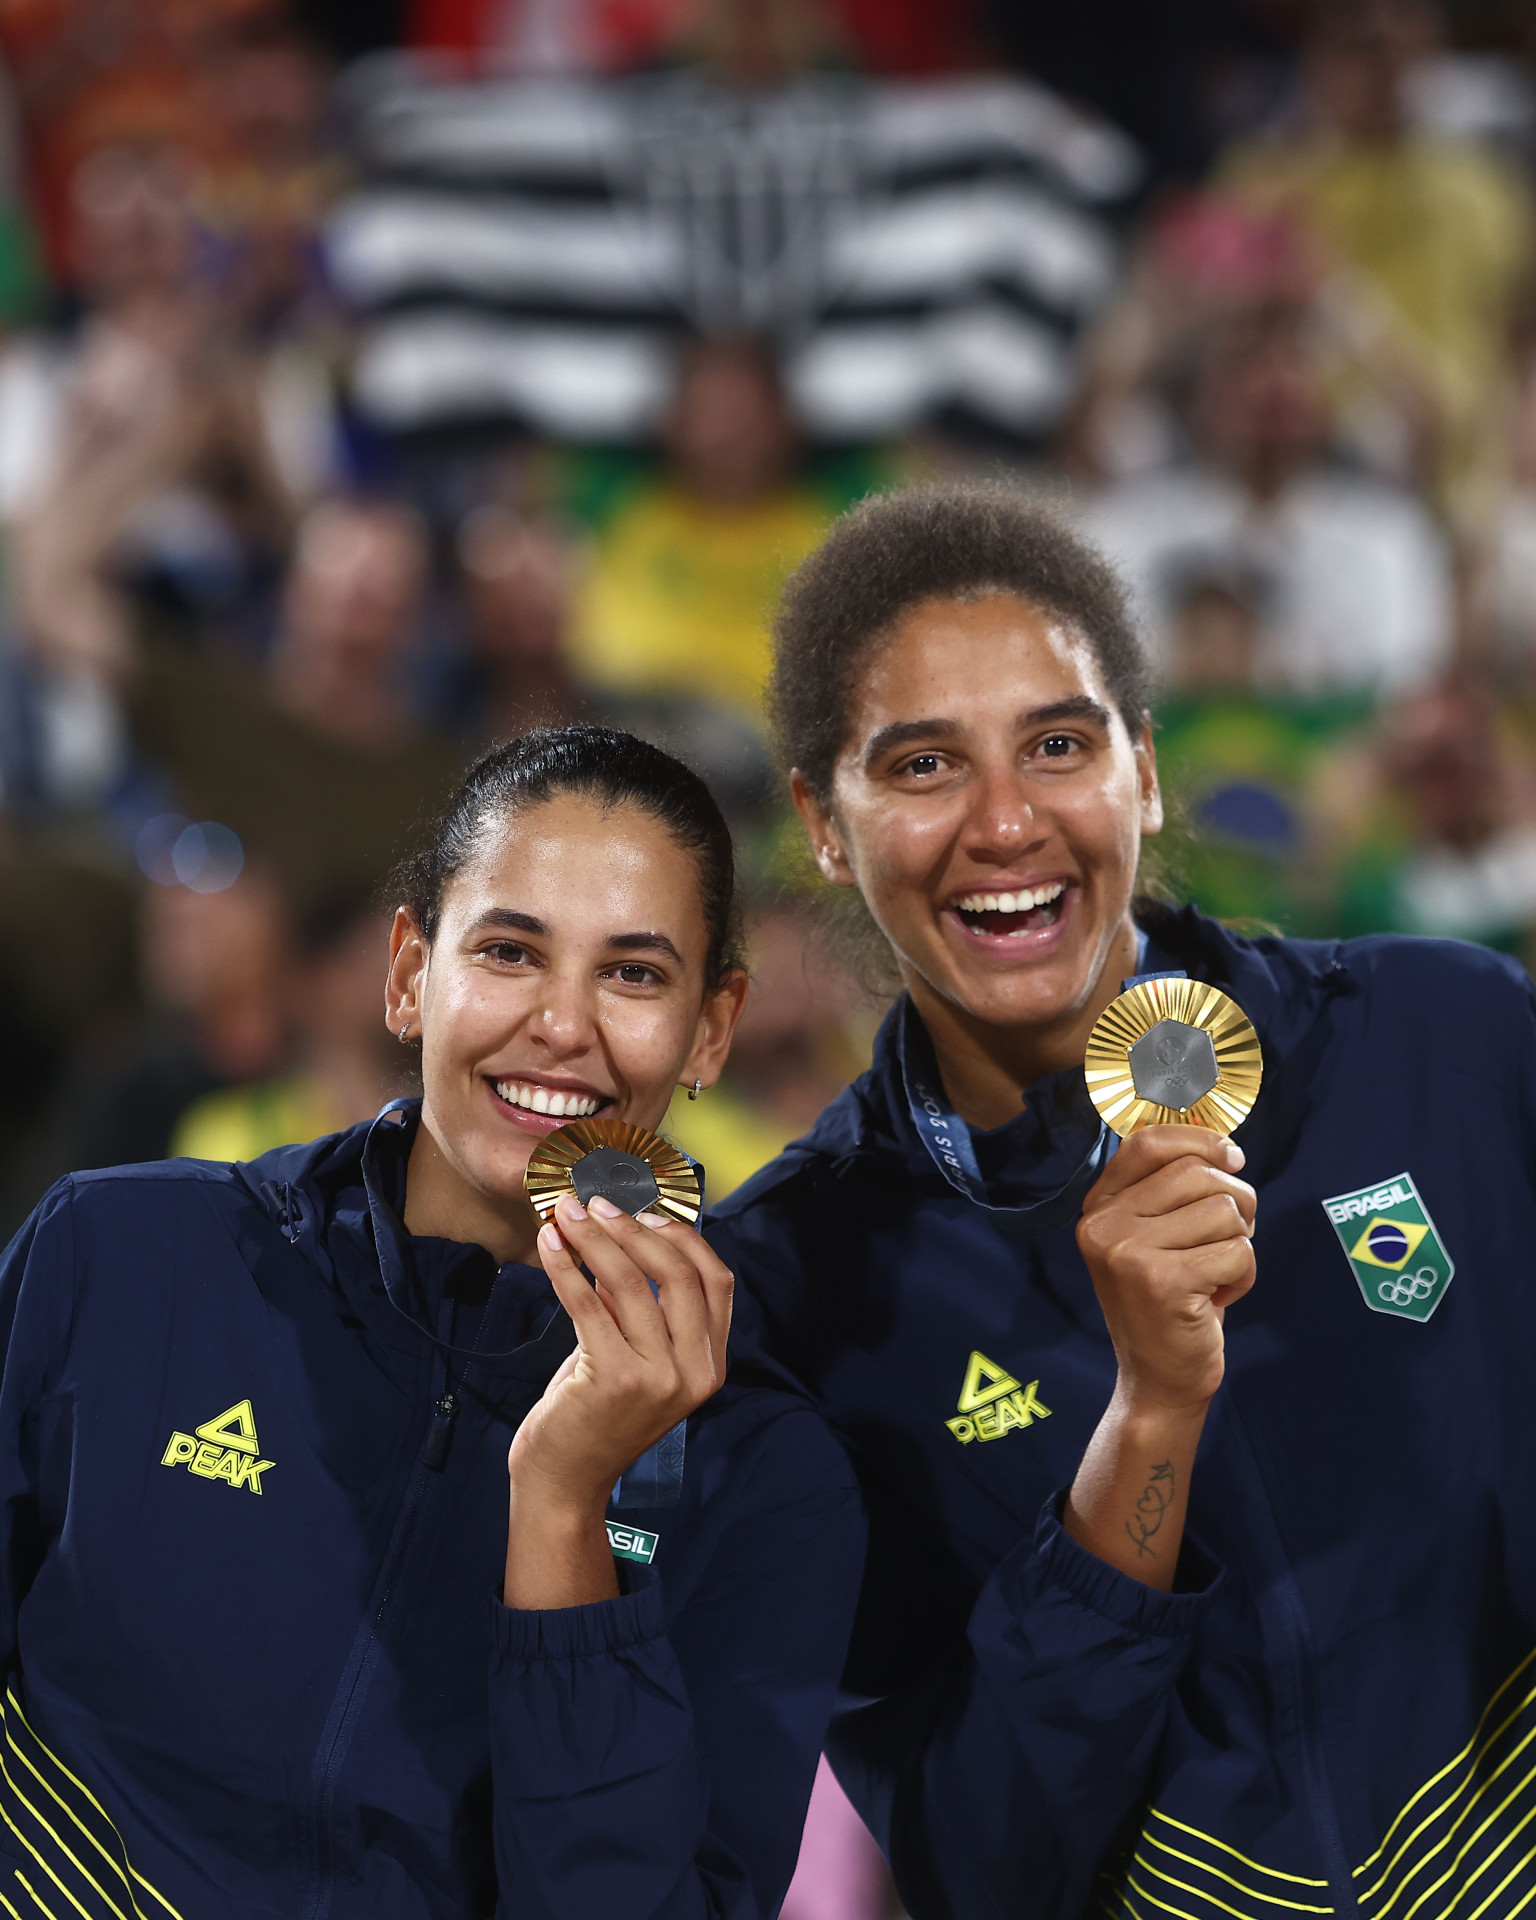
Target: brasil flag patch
{"points": [[1393, 1249]]}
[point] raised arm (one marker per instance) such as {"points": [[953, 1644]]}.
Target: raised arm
{"points": [[1166, 1234], [997, 1747], [650, 1760]]}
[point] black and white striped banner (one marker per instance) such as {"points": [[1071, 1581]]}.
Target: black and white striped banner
{"points": [[527, 250]]}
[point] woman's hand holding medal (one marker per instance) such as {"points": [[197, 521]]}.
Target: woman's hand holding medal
{"points": [[1166, 1233], [1167, 1236], [643, 1361]]}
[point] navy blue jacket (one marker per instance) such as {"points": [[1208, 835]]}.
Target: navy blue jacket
{"points": [[256, 1660], [1335, 1712]]}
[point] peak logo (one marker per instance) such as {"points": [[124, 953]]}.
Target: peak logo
{"points": [[223, 1448], [993, 1403]]}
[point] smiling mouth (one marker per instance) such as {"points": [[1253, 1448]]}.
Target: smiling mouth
{"points": [[529, 1097], [1029, 910]]}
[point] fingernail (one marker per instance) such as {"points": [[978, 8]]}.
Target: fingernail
{"points": [[570, 1208], [1235, 1155], [549, 1238], [603, 1207], [651, 1219]]}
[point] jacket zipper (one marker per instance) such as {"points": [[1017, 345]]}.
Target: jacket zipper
{"points": [[1290, 1616], [440, 1434], [352, 1689]]}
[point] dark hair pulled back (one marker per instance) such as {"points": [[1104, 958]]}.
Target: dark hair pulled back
{"points": [[612, 768], [956, 541]]}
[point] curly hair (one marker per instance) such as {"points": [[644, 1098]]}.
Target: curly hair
{"points": [[944, 542]]}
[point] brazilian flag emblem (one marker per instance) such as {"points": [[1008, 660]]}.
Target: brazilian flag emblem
{"points": [[1395, 1253]]}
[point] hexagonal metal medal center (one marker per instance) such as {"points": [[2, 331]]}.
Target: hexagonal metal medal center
{"points": [[1174, 1064], [623, 1178]]}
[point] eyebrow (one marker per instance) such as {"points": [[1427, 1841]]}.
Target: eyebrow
{"points": [[1080, 706], [512, 920], [648, 941], [651, 942]]}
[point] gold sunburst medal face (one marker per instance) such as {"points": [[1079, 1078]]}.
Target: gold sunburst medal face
{"points": [[630, 1166], [1173, 1050]]}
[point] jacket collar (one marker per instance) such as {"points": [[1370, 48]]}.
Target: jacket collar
{"points": [[338, 1201], [1282, 985]]}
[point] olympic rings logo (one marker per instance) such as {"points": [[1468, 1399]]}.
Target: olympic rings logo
{"points": [[1406, 1288]]}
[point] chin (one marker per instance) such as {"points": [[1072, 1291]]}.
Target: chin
{"points": [[1027, 997], [497, 1168]]}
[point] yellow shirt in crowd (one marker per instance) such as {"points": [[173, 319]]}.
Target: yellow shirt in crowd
{"points": [[241, 1122], [679, 593], [1441, 229]]}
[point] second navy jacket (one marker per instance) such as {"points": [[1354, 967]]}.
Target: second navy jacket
{"points": [[1334, 1713], [253, 1520]]}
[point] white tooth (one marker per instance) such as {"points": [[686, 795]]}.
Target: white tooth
{"points": [[584, 1107], [1006, 902], [540, 1101], [557, 1103]]}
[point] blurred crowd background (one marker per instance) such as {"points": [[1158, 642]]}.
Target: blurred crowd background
{"points": [[377, 379]]}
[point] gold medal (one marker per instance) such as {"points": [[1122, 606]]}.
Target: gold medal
{"points": [[630, 1166], [1173, 1050]]}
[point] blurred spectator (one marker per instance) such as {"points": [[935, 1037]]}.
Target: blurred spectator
{"points": [[1440, 229], [1240, 768], [97, 73], [1206, 262], [1435, 825], [517, 588], [514, 668], [1349, 581], [263, 202], [794, 1050], [323, 769], [345, 1064], [215, 969], [686, 570], [350, 608], [159, 343], [1506, 596]]}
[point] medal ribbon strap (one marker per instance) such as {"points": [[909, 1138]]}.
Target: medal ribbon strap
{"points": [[948, 1138]]}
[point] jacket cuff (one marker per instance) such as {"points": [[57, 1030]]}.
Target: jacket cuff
{"points": [[1138, 1608], [577, 1633]]}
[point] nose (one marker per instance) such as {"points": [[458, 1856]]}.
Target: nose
{"points": [[1000, 822], [564, 1021]]}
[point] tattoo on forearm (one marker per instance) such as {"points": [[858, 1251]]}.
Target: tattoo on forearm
{"points": [[1151, 1509]]}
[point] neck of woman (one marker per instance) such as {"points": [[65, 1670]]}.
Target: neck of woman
{"points": [[988, 1068], [442, 1204]]}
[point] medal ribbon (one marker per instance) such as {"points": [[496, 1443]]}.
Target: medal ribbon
{"points": [[948, 1138]]}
